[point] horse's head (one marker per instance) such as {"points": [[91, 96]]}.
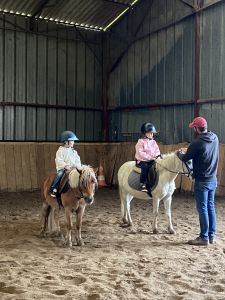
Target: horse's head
{"points": [[186, 167], [189, 168], [172, 163], [85, 180]]}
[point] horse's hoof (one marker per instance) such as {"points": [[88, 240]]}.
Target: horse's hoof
{"points": [[59, 236], [42, 234], [124, 225], [80, 243], [68, 244], [172, 231], [155, 231], [133, 231]]}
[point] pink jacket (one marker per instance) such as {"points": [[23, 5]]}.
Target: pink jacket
{"points": [[146, 149]]}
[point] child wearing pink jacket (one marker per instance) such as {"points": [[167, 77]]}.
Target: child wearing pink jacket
{"points": [[147, 151]]}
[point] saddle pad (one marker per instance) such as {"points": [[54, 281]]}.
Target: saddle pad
{"points": [[137, 169], [134, 180], [65, 188]]}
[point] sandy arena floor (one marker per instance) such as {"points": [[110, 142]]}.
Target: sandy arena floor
{"points": [[114, 263]]}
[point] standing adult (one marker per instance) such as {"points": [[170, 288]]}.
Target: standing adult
{"points": [[204, 153]]}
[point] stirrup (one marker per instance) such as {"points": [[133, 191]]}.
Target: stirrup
{"points": [[53, 193]]}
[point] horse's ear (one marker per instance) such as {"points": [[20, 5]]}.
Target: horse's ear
{"points": [[96, 171]]}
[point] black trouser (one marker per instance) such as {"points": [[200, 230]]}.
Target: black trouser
{"points": [[145, 166]]}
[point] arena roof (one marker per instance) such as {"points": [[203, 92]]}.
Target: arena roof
{"points": [[90, 14]]}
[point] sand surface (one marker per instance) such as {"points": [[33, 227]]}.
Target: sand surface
{"points": [[114, 263]]}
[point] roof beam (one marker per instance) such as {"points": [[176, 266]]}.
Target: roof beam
{"points": [[147, 12], [37, 12], [187, 3], [118, 3]]}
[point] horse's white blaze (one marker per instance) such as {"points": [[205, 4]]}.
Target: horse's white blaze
{"points": [[168, 167]]}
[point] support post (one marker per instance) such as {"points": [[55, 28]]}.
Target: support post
{"points": [[105, 87], [200, 4]]}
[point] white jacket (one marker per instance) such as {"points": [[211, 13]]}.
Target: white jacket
{"points": [[67, 156]]}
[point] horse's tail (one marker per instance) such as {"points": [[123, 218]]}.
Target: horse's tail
{"points": [[46, 186], [46, 217]]}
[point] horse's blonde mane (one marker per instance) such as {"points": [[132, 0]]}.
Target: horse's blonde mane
{"points": [[75, 178]]}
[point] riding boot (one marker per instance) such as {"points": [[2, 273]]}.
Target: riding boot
{"points": [[56, 183], [150, 193]]}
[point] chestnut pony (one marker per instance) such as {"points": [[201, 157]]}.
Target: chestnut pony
{"points": [[82, 183]]}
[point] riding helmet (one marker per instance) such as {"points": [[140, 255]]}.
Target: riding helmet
{"points": [[68, 136], [148, 127]]}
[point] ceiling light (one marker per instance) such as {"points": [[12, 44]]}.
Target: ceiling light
{"points": [[120, 15]]}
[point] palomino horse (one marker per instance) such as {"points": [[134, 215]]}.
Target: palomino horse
{"points": [[168, 167], [82, 184]]}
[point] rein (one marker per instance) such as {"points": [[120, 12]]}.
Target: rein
{"points": [[179, 173]]}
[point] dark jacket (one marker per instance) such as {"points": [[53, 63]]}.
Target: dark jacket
{"points": [[204, 153]]}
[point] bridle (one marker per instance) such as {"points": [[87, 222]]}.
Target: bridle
{"points": [[188, 173], [80, 190]]}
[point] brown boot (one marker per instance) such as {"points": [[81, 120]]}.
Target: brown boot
{"points": [[198, 242]]}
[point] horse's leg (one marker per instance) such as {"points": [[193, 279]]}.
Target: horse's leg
{"points": [[127, 208], [44, 217], [167, 205], [123, 205], [155, 215], [79, 213], [55, 215], [69, 224]]}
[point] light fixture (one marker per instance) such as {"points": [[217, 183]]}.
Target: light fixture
{"points": [[120, 15]]}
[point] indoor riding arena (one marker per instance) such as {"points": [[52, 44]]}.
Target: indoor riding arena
{"points": [[93, 75]]}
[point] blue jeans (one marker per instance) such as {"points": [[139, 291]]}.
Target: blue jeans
{"points": [[56, 181], [204, 193]]}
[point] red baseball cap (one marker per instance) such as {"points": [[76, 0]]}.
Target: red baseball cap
{"points": [[198, 122]]}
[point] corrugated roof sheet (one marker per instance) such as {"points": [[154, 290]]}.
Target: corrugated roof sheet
{"points": [[97, 14]]}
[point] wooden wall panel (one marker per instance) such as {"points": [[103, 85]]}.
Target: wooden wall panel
{"points": [[33, 165], [18, 167], [24, 165], [10, 167], [3, 177], [40, 163]]}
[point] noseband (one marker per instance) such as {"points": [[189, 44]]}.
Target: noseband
{"points": [[80, 190], [189, 170]]}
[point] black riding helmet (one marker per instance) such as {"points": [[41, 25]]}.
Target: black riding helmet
{"points": [[148, 127]]}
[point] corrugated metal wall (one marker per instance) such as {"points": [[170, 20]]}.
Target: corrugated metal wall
{"points": [[155, 45], [50, 81], [213, 67]]}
